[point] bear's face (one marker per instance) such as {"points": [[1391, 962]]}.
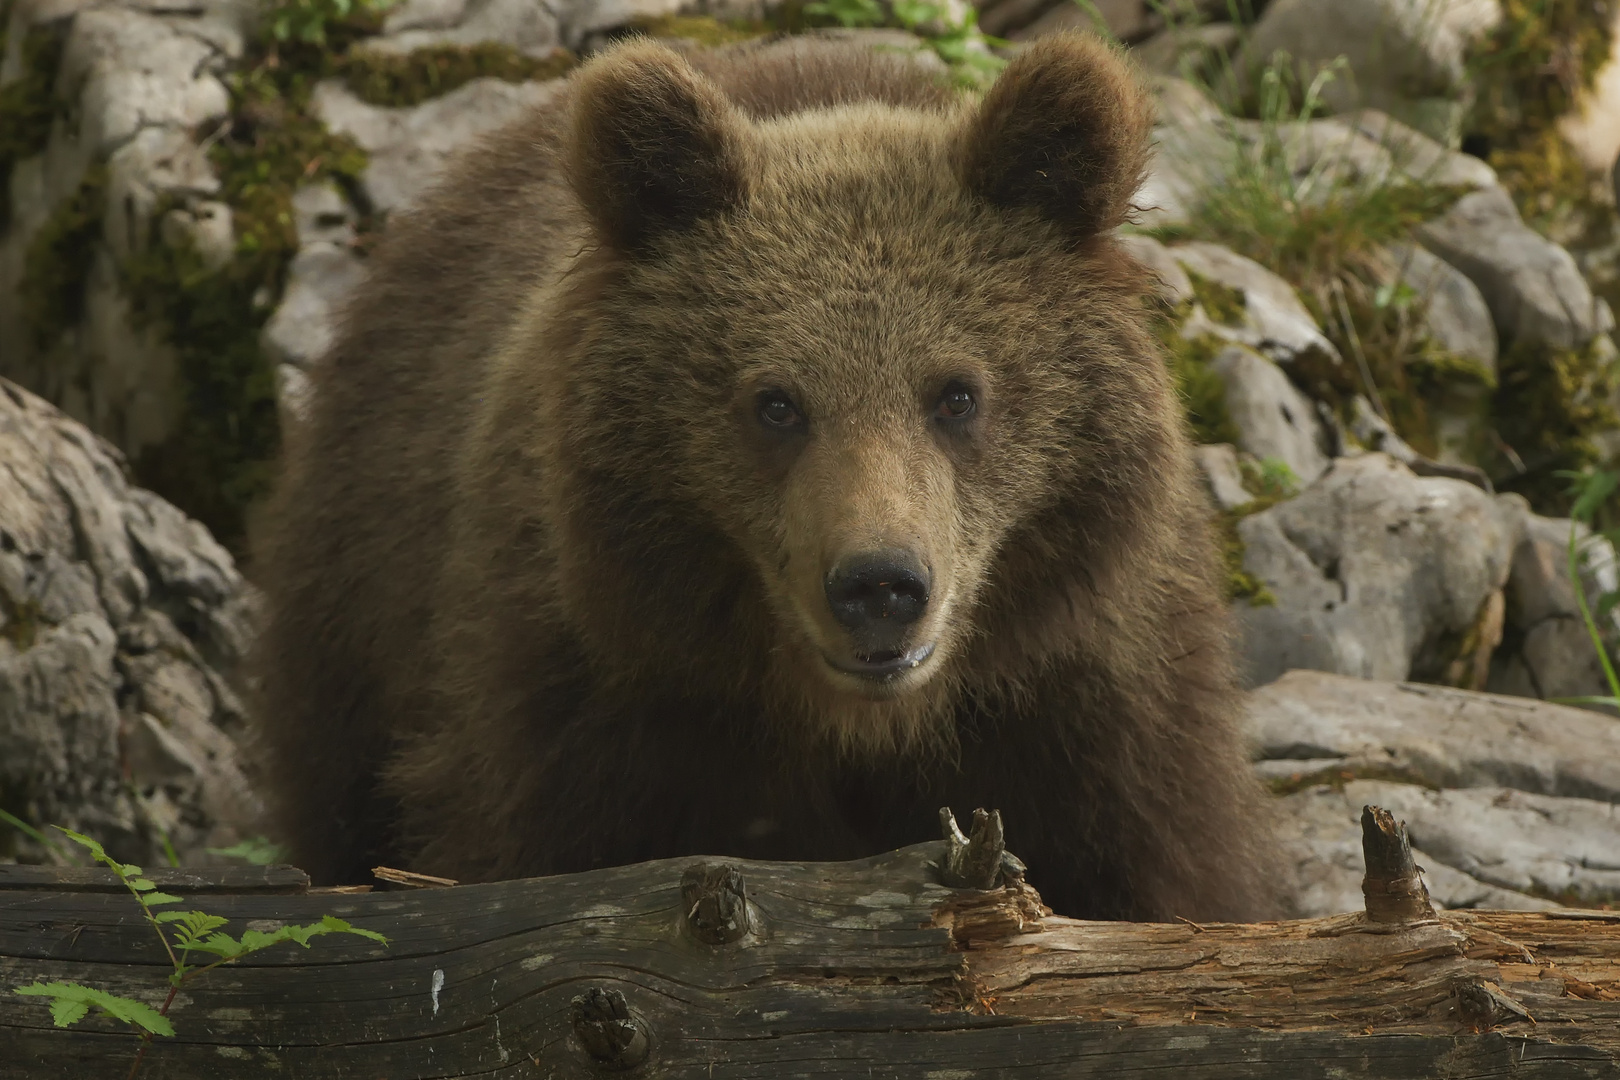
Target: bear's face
{"points": [[864, 344]]}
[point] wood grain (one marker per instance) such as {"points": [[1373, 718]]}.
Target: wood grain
{"points": [[870, 968]]}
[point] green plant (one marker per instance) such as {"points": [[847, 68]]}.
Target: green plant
{"points": [[1590, 490], [307, 20], [256, 851], [1322, 224], [192, 932], [952, 40]]}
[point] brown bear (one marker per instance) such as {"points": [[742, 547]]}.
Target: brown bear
{"points": [[749, 457]]}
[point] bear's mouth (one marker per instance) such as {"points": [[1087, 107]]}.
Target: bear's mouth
{"points": [[883, 664]]}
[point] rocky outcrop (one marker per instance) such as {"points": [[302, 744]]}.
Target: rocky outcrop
{"points": [[1377, 573], [1510, 803], [122, 624]]}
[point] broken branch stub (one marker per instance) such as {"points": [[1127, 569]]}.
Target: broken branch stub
{"points": [[980, 860], [607, 1031], [1393, 887], [715, 899]]}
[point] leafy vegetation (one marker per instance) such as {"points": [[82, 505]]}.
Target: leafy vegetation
{"points": [[182, 933], [957, 42]]}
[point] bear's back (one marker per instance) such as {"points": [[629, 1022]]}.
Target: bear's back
{"points": [[350, 546]]}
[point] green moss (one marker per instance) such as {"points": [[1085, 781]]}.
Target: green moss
{"points": [[23, 623], [1549, 405], [28, 103], [702, 29], [1202, 393], [1530, 72], [216, 462], [1222, 303], [57, 263], [395, 80], [1337, 776]]}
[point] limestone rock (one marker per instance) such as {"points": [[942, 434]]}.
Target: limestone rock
{"points": [[1274, 419], [1593, 126], [1533, 287], [1420, 158], [1174, 286], [319, 280], [1273, 320], [1223, 476], [1377, 573], [122, 624], [409, 147], [1310, 722], [1548, 651], [1455, 315], [1319, 833], [1406, 57], [529, 26]]}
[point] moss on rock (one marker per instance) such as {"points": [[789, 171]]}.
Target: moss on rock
{"points": [[702, 29], [57, 263], [395, 80], [28, 103], [1549, 406], [217, 461]]}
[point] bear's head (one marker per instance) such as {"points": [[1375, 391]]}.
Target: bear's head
{"points": [[854, 392]]}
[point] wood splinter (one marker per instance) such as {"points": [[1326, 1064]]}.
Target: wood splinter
{"points": [[607, 1030], [715, 899], [981, 860], [1393, 886]]}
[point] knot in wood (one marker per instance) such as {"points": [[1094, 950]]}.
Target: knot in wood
{"points": [[979, 860], [607, 1030], [715, 899], [1393, 888]]}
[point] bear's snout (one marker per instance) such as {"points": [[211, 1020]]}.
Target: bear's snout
{"points": [[877, 596]]}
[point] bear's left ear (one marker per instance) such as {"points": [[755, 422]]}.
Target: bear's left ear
{"points": [[1064, 132], [652, 146]]}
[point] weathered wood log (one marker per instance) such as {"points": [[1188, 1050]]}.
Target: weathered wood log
{"points": [[725, 968]]}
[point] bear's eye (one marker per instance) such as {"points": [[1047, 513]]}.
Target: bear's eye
{"points": [[956, 403], [776, 410]]}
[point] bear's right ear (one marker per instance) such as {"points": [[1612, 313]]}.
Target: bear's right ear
{"points": [[1063, 132], [652, 145]]}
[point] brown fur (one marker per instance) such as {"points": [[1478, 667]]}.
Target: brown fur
{"points": [[546, 596]]}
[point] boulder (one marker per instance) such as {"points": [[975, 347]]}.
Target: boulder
{"points": [[1377, 573], [1218, 463], [122, 627], [1533, 287], [1454, 313], [1270, 317], [1406, 57], [1547, 651], [1174, 287], [529, 26], [1313, 723], [1592, 127], [409, 147], [1274, 419], [1510, 802]]}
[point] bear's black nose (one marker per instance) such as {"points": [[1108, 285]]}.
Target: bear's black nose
{"points": [[878, 590]]}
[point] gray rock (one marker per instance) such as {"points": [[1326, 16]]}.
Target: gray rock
{"points": [[1122, 19], [1319, 833], [320, 279], [580, 20], [322, 215], [409, 147], [1184, 49], [155, 163], [1406, 57], [529, 26], [1194, 150], [119, 613], [1310, 722], [1548, 651], [1455, 315], [137, 71], [1420, 158], [1273, 418], [1218, 462], [1175, 287], [1534, 289], [1377, 573], [1274, 321]]}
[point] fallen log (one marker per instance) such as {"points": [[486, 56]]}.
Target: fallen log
{"points": [[876, 968]]}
